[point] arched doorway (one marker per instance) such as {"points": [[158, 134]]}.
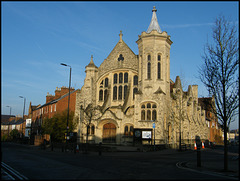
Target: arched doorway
{"points": [[109, 133]]}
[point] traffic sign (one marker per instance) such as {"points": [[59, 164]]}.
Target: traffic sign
{"points": [[153, 125]]}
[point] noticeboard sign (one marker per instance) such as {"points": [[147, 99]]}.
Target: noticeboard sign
{"points": [[146, 134]]}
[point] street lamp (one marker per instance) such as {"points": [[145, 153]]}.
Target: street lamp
{"points": [[23, 112], [68, 94], [10, 109]]}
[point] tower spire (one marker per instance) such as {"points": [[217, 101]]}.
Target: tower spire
{"points": [[91, 64], [154, 22]]}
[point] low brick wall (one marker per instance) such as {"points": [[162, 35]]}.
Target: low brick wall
{"points": [[39, 139]]}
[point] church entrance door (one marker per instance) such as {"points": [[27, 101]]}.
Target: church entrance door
{"points": [[109, 133]]}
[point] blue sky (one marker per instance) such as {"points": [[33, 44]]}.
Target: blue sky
{"points": [[37, 36]]}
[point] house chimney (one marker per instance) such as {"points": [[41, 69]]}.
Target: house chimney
{"points": [[57, 93]]}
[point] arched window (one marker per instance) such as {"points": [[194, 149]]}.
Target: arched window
{"points": [[143, 115], [106, 82], [126, 78], [131, 130], [154, 115], [125, 91], [149, 70], [149, 57], [148, 105], [150, 110], [159, 70], [134, 91], [126, 130], [159, 67], [135, 80], [115, 93], [105, 94], [148, 115], [100, 95], [120, 78], [115, 78], [120, 92], [90, 129]]}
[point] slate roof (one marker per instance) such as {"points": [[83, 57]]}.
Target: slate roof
{"points": [[54, 101], [154, 22]]}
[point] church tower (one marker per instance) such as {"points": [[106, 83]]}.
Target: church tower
{"points": [[89, 87], [154, 58]]}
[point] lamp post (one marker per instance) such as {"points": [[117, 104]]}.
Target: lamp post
{"points": [[10, 109], [23, 112], [68, 95]]}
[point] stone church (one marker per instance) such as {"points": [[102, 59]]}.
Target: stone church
{"points": [[130, 99]]}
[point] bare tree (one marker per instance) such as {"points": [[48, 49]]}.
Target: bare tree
{"points": [[219, 74], [90, 113]]}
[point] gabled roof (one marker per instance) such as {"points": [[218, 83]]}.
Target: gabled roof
{"points": [[154, 22]]}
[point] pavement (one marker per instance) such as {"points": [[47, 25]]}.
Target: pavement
{"points": [[215, 166]]}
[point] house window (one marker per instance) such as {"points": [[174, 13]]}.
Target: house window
{"points": [[105, 94], [128, 130], [120, 93], [55, 108], [126, 78], [115, 78], [159, 67], [154, 115], [159, 70], [100, 95], [148, 111], [115, 93], [148, 115], [90, 129], [143, 115], [135, 80], [120, 78], [149, 57], [106, 82], [51, 108], [149, 70], [125, 91], [120, 57], [134, 91]]}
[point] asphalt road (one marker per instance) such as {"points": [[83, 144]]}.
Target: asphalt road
{"points": [[36, 164]]}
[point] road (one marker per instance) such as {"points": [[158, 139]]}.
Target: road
{"points": [[35, 164]]}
